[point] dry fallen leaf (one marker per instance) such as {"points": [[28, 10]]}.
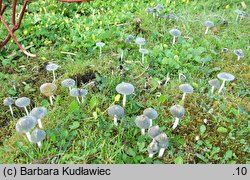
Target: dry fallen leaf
{"points": [[243, 4]]}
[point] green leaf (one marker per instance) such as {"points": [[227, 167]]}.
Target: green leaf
{"points": [[93, 102], [131, 152], [222, 130], [73, 106], [202, 129], [228, 155], [202, 157], [178, 160], [75, 125]]}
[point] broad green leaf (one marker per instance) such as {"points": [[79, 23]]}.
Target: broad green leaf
{"points": [[202, 129], [178, 160], [222, 130]]}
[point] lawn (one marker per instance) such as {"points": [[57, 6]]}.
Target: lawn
{"points": [[215, 127]]}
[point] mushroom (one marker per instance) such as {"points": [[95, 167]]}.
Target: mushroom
{"points": [[83, 93], [152, 149], [13, 83], [116, 111], [100, 45], [37, 136], [224, 77], [239, 53], [186, 89], [25, 124], [48, 89], [125, 89], [178, 112], [154, 131], [162, 140], [182, 77], [215, 84], [151, 114], [23, 102], [68, 83], [143, 52], [8, 102], [208, 25], [142, 122], [75, 92], [224, 50], [129, 38], [52, 67], [39, 113], [159, 7], [240, 13], [140, 41], [176, 33]]}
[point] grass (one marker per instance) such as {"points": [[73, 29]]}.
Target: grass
{"points": [[85, 134]]}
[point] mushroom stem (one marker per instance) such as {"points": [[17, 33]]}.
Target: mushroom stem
{"points": [[184, 96], [140, 47], [161, 152], [176, 122], [112, 72], [124, 100], [153, 141], [100, 50], [82, 99], [122, 56], [142, 58], [173, 40], [206, 30], [212, 90], [143, 131], [237, 17], [221, 87], [39, 122], [77, 98], [11, 111], [26, 110], [115, 121], [39, 144], [238, 58], [14, 87], [151, 155], [151, 122], [28, 136], [69, 89], [51, 100], [54, 76]]}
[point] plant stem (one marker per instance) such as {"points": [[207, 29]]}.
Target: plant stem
{"points": [[39, 122], [221, 87], [11, 111], [124, 100], [161, 152], [176, 122]]}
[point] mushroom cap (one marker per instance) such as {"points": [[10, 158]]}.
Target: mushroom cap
{"points": [[175, 32], [68, 82], [140, 41], [22, 102], [13, 82], [37, 135], [153, 148], [100, 44], [75, 92], [177, 111], [224, 50], [25, 124], [239, 12], [186, 88], [83, 92], [214, 82], [39, 112], [52, 67], [143, 51], [129, 38], [125, 88], [8, 101], [159, 7], [48, 89], [225, 76], [151, 113], [239, 53], [151, 10], [162, 140], [209, 24], [142, 122], [154, 131], [116, 110]]}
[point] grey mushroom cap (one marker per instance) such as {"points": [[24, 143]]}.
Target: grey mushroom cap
{"points": [[140, 41], [39, 112], [162, 140], [116, 110], [209, 24], [154, 131], [151, 10], [214, 82], [175, 32], [159, 7], [150, 113], [75, 92], [239, 53], [25, 124], [100, 44], [37, 135], [129, 38], [143, 51], [22, 102], [142, 122], [68, 82], [125, 88], [225, 76], [8, 101], [177, 111], [48, 89], [153, 148], [83, 92], [52, 67], [224, 50], [186, 88], [239, 12]]}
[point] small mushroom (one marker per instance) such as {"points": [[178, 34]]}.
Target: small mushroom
{"points": [[25, 124], [129, 38], [52, 67], [13, 83], [176, 33], [143, 52], [125, 89], [37, 136], [178, 112], [39, 113], [140, 41], [151, 114], [8, 102], [224, 77], [215, 84], [159, 7], [143, 122], [162, 141], [239, 53], [48, 89], [23, 102], [186, 89], [100, 45], [83, 93], [75, 92], [240, 14], [116, 112], [154, 131], [182, 77], [152, 149], [208, 25], [224, 50], [68, 83]]}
